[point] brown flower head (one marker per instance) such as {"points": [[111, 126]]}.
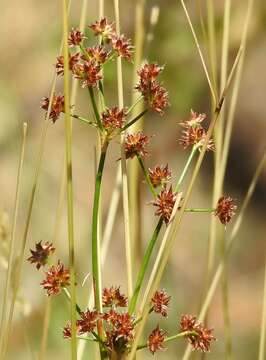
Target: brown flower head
{"points": [[225, 209], [156, 340], [104, 29], [113, 119], [120, 329], [159, 175], [194, 133], [88, 73], [147, 74], [57, 277], [135, 144], [57, 107], [88, 321], [160, 302], [67, 331], [73, 61], [158, 98], [201, 337], [123, 47], [164, 203], [75, 37], [40, 255], [98, 54], [113, 298]]}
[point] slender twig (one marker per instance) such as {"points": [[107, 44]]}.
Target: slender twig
{"points": [[95, 108], [186, 168], [200, 210], [134, 120], [83, 119], [147, 177], [11, 250], [128, 244], [171, 338], [136, 102]]}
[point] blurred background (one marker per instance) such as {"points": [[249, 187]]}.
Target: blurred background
{"points": [[30, 41]]}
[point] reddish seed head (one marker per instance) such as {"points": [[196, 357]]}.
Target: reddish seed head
{"points": [[40, 255], [88, 321], [194, 133], [104, 29], [201, 338], [148, 73], [67, 331], [73, 61], [75, 37], [88, 73], [135, 144], [113, 119], [57, 107], [156, 340], [164, 203], [158, 98], [112, 297], [159, 175], [98, 54], [160, 302], [57, 277], [123, 47], [225, 209]]}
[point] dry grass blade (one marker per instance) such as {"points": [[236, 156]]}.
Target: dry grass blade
{"points": [[218, 274], [128, 244], [11, 250], [263, 322]]}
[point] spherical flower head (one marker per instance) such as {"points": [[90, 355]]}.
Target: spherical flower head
{"points": [[225, 209], [158, 98], [103, 28], [136, 144], [75, 37], [40, 255], [160, 302], [200, 337], [88, 321], [88, 73], [57, 106], [147, 74], [156, 340], [194, 133], [73, 61], [112, 297], [164, 203], [113, 120], [57, 277], [122, 46], [159, 175], [98, 54]]}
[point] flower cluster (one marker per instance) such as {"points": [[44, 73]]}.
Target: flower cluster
{"points": [[113, 120], [200, 337], [154, 94], [160, 302], [56, 108], [156, 340], [112, 297], [164, 203], [159, 175], [194, 133], [136, 144], [225, 209], [40, 255], [57, 277]]}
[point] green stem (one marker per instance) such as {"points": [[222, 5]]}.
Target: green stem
{"points": [[170, 338], [135, 104], [144, 266], [95, 109], [133, 121], [86, 338], [185, 170], [67, 293], [146, 175], [95, 243], [200, 210], [83, 119]]}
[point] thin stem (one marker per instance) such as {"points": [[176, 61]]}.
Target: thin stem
{"points": [[70, 215], [211, 210], [86, 338], [261, 355], [171, 338], [83, 119], [133, 121], [11, 250], [212, 42], [96, 261], [186, 167], [132, 107], [68, 296], [95, 108], [144, 266], [128, 244], [147, 177]]}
